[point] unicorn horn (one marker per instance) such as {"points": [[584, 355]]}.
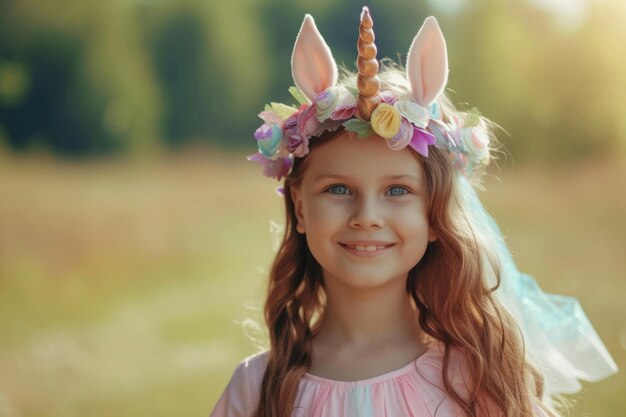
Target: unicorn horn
{"points": [[367, 81]]}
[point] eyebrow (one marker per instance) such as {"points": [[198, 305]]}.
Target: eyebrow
{"points": [[388, 177]]}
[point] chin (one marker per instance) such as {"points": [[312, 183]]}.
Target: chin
{"points": [[369, 281]]}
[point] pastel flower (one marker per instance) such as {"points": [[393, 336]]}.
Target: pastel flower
{"points": [[403, 137], [413, 112], [420, 141], [263, 132], [459, 161], [344, 112], [296, 142], [267, 131], [269, 117], [307, 123], [434, 110], [456, 131], [388, 97], [442, 133], [335, 103], [298, 128], [277, 168], [385, 121], [476, 142], [268, 139], [327, 102]]}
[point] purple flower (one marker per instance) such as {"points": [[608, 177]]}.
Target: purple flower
{"points": [[403, 137], [388, 97], [297, 143], [307, 122], [298, 128], [420, 141], [343, 112], [273, 168], [263, 132]]}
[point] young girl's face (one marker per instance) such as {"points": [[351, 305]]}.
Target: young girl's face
{"points": [[363, 208]]}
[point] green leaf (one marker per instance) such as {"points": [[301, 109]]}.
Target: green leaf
{"points": [[360, 127], [282, 110], [298, 95]]}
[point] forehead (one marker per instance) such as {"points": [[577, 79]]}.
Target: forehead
{"points": [[361, 158]]}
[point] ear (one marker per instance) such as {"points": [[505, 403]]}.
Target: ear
{"points": [[312, 64], [427, 63], [297, 202]]}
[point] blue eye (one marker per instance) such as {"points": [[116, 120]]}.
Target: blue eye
{"points": [[338, 189], [397, 190]]}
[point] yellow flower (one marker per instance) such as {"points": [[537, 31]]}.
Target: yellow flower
{"points": [[386, 121]]}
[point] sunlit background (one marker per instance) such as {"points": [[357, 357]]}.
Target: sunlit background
{"points": [[135, 238]]}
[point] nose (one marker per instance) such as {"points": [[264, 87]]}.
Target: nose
{"points": [[366, 214]]}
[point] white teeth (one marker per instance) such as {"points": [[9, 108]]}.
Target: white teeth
{"points": [[366, 248]]}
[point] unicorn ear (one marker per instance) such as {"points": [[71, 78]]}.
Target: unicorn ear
{"points": [[427, 63], [312, 64]]}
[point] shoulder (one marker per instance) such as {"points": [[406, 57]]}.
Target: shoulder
{"points": [[431, 369], [252, 368], [436, 395], [241, 396]]}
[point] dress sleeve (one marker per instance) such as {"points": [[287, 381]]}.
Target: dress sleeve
{"points": [[235, 401], [241, 396]]}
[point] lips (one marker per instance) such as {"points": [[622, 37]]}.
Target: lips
{"points": [[366, 245], [368, 248]]}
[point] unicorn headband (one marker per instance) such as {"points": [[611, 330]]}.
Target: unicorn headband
{"points": [[413, 119]]}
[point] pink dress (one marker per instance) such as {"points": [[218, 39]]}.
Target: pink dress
{"points": [[415, 390]]}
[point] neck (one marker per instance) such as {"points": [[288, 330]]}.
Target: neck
{"points": [[370, 317]]}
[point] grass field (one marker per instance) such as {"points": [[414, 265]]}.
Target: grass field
{"points": [[123, 284]]}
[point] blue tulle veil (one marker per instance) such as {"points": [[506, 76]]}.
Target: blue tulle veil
{"points": [[558, 336]]}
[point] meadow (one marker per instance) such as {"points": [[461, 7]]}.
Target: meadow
{"points": [[124, 285]]}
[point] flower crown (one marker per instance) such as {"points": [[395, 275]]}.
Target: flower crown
{"points": [[415, 120]]}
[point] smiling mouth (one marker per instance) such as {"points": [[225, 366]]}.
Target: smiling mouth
{"points": [[368, 248], [367, 251]]}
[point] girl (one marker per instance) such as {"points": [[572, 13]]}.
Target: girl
{"points": [[393, 293]]}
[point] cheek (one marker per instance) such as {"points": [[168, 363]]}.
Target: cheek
{"points": [[322, 212], [413, 221], [324, 222]]}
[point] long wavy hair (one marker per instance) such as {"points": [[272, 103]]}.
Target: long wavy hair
{"points": [[449, 287]]}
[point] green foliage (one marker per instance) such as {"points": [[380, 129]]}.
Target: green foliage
{"points": [[360, 127], [282, 110], [140, 76], [298, 95], [14, 82]]}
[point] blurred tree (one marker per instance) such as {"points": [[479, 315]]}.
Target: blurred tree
{"points": [[118, 64], [131, 76], [554, 90], [87, 91], [180, 63], [56, 108]]}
